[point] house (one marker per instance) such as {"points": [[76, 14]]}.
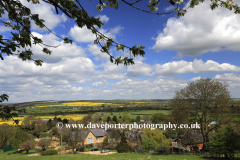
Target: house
{"points": [[40, 122], [134, 137], [191, 140], [92, 136], [146, 122]]}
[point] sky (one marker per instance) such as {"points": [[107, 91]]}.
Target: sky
{"points": [[204, 43]]}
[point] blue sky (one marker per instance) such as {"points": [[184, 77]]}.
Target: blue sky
{"points": [[203, 43]]}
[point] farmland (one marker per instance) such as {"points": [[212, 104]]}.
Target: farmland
{"points": [[75, 117], [76, 110]]}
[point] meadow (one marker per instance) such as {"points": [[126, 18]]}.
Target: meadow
{"points": [[134, 114], [116, 156]]}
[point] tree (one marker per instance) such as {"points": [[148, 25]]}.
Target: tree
{"points": [[126, 117], [123, 146], [54, 130], [224, 141], [65, 121], [203, 101], [109, 119], [27, 145], [49, 124], [96, 117], [76, 136], [146, 118], [6, 135], [158, 117], [20, 136], [29, 121], [138, 118], [155, 135], [43, 143], [149, 144], [115, 119]]}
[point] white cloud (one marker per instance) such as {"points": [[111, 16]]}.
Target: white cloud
{"points": [[195, 78], [96, 52], [100, 83], [5, 29], [139, 69], [111, 68], [170, 8], [201, 30], [178, 67], [64, 50], [103, 18], [66, 69], [86, 35], [47, 13]]}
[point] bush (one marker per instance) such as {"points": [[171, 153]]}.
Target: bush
{"points": [[89, 146], [82, 149], [68, 147], [106, 147], [123, 146], [49, 152]]}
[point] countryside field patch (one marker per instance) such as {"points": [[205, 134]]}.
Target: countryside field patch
{"points": [[75, 117]]}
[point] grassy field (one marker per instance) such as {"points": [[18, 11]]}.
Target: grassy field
{"points": [[117, 156], [136, 113], [75, 117]]}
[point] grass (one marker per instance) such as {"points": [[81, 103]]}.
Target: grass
{"points": [[136, 113], [116, 156]]}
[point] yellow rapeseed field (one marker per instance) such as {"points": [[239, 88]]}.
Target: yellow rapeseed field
{"points": [[85, 104], [77, 104], [75, 117]]}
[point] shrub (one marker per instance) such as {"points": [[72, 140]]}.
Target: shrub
{"points": [[82, 149], [89, 146], [43, 143], [49, 152], [27, 145], [68, 147], [123, 146]]}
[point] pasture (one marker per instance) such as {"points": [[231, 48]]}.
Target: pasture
{"points": [[117, 156]]}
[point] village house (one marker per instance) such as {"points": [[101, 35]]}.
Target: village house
{"points": [[134, 137], [40, 122], [191, 140], [92, 136]]}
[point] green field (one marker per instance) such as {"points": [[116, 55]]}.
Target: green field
{"points": [[136, 113], [116, 156]]}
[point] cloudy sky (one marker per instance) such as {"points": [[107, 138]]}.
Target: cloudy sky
{"points": [[203, 43]]}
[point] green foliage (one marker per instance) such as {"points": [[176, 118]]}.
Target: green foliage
{"points": [[146, 118], [109, 119], [149, 144], [6, 135], [20, 137], [158, 117], [43, 143], [138, 118], [27, 145], [126, 117], [203, 101], [224, 141], [123, 146], [49, 152], [157, 136], [115, 119]]}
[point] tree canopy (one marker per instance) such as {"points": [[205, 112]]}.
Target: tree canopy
{"points": [[203, 101]]}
